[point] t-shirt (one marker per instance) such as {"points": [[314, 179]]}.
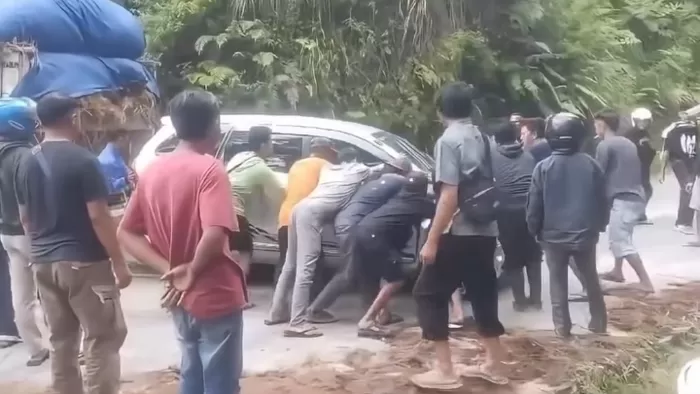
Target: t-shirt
{"points": [[680, 142], [337, 184], [179, 196], [12, 155], [301, 181], [618, 158], [540, 150], [54, 185], [368, 197], [459, 152], [254, 185]]}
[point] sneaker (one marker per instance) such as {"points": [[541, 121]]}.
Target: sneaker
{"points": [[687, 230], [38, 358]]}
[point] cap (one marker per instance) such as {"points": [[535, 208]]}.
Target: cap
{"points": [[321, 143], [401, 163]]}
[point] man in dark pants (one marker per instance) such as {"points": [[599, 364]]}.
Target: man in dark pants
{"points": [[567, 208], [512, 170], [639, 135], [368, 197], [8, 330], [459, 250], [679, 149], [378, 240]]}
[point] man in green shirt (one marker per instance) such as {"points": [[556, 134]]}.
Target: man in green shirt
{"points": [[256, 190]]}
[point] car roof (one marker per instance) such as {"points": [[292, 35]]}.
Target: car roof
{"points": [[245, 122]]}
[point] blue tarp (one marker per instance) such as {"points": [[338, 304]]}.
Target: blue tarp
{"points": [[92, 27], [79, 75]]}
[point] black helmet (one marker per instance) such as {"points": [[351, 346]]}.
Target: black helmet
{"points": [[565, 132]]}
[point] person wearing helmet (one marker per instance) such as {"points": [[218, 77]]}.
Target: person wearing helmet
{"points": [[18, 127], [639, 135], [680, 150], [567, 209], [618, 158]]}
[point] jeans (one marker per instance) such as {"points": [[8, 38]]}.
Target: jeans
{"points": [[7, 314], [212, 353], [79, 295]]}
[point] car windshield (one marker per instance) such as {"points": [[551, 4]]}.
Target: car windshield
{"points": [[421, 159]]}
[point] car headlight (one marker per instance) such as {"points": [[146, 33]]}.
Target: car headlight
{"points": [[689, 378]]}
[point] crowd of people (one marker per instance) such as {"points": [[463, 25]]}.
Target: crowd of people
{"points": [[535, 185]]}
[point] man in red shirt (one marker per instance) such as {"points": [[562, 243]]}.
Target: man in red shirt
{"points": [[178, 221]]}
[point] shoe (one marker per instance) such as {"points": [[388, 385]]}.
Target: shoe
{"points": [[687, 230], [38, 358], [562, 333]]}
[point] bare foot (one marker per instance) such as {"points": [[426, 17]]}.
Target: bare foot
{"points": [[612, 276], [644, 288]]}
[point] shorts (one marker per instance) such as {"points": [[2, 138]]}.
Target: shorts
{"points": [[624, 216], [242, 240]]}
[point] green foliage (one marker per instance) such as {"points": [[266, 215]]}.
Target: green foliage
{"points": [[383, 61]]}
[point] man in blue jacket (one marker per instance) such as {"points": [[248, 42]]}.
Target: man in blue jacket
{"points": [[567, 209]]}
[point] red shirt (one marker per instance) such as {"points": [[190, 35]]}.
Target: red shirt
{"points": [[178, 196]]}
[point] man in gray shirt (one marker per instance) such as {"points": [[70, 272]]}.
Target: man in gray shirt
{"points": [[618, 158], [459, 250]]}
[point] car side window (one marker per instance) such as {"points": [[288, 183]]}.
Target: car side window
{"points": [[287, 149], [237, 142], [363, 156]]}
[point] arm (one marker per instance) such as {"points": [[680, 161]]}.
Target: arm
{"points": [[601, 197], [602, 156], [132, 235], [95, 194], [217, 217], [535, 203], [447, 173], [272, 188]]}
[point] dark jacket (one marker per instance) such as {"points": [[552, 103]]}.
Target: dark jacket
{"points": [[567, 203], [645, 151], [540, 150], [11, 154], [512, 169]]}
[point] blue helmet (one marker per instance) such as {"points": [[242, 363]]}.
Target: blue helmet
{"points": [[18, 119]]}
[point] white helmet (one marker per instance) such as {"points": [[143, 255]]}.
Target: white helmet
{"points": [[641, 118], [689, 378]]}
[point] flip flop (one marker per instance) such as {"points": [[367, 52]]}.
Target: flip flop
{"points": [[306, 332], [455, 326], [431, 380], [611, 278], [321, 317], [374, 332], [275, 322], [479, 372]]}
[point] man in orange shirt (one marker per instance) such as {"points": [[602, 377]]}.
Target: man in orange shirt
{"points": [[301, 181]]}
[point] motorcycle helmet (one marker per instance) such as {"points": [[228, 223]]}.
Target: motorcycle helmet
{"points": [[565, 132], [689, 378], [18, 119], [641, 118]]}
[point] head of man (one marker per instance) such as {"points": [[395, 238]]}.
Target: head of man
{"points": [[607, 122], [565, 132], [260, 141], [57, 114], [400, 165], [195, 117], [641, 118], [531, 130], [455, 102], [505, 133], [323, 148], [18, 120]]}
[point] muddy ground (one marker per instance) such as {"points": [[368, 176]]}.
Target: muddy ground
{"points": [[539, 360]]}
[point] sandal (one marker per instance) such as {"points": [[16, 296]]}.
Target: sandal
{"points": [[302, 332], [434, 380], [455, 326], [374, 332], [321, 317], [481, 372]]}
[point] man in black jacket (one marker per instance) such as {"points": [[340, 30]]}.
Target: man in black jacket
{"points": [[567, 208], [17, 135], [639, 135]]}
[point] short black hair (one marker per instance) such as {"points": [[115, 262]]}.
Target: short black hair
{"points": [[347, 155], [455, 100], [609, 117], [505, 132], [194, 113], [55, 108], [535, 124], [258, 136]]}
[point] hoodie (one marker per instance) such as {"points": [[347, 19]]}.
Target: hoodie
{"points": [[255, 187], [11, 156], [567, 203], [512, 170]]}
